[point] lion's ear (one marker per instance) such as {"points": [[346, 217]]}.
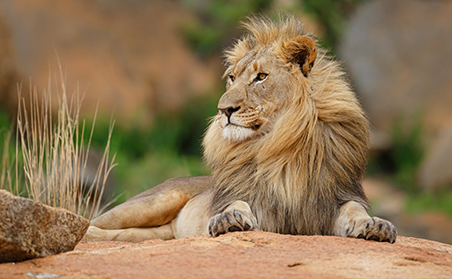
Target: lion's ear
{"points": [[302, 51]]}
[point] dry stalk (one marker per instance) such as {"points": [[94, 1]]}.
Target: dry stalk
{"points": [[54, 155]]}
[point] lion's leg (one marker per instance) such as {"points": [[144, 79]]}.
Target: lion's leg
{"points": [[353, 221], [193, 218], [164, 232], [236, 217], [154, 207]]}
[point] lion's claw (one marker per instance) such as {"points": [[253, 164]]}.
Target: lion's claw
{"points": [[231, 221], [379, 230]]}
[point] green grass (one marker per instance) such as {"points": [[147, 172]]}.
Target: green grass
{"points": [[216, 23], [333, 15], [402, 162], [6, 155], [170, 147], [440, 201], [408, 151]]}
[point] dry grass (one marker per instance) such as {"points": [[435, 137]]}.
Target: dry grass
{"points": [[51, 156]]}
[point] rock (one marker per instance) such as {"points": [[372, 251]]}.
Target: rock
{"points": [[246, 255], [436, 169], [399, 55], [29, 229]]}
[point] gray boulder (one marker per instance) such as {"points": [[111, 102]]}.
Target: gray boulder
{"points": [[29, 229], [399, 54]]}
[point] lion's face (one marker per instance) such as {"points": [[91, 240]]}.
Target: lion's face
{"points": [[259, 85], [255, 92]]}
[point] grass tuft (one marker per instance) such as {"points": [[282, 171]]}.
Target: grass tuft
{"points": [[51, 155]]}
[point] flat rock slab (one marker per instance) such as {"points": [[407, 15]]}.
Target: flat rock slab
{"points": [[244, 255], [29, 229]]}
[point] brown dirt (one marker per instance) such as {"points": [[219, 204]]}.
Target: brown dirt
{"points": [[245, 255]]}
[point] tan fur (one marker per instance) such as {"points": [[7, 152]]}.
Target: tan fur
{"points": [[287, 149]]}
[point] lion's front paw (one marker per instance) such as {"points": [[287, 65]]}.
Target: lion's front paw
{"points": [[232, 221], [376, 229]]}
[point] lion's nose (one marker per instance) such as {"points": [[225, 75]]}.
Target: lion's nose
{"points": [[229, 111]]}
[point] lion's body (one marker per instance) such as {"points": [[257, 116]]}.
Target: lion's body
{"points": [[295, 177], [287, 150]]}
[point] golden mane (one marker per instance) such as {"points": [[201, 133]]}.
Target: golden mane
{"points": [[313, 159]]}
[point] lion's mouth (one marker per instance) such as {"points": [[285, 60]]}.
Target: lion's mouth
{"points": [[256, 127], [239, 132]]}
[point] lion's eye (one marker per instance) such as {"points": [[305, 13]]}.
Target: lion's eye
{"points": [[261, 76], [232, 78]]}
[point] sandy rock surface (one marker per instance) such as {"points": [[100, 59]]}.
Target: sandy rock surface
{"points": [[244, 255]]}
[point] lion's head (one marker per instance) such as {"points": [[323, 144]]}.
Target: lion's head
{"points": [[261, 75], [289, 128]]}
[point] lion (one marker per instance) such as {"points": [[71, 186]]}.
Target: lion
{"points": [[287, 149]]}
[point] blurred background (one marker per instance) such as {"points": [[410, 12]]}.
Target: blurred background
{"points": [[156, 67]]}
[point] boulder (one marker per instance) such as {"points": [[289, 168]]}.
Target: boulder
{"points": [[436, 169], [29, 229], [399, 55]]}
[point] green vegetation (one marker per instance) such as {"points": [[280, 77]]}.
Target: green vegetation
{"points": [[171, 147], [401, 165], [216, 22], [6, 151], [407, 152], [439, 201], [333, 15]]}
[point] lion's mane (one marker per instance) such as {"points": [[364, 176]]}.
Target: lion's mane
{"points": [[313, 160]]}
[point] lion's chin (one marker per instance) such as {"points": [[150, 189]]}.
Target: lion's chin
{"points": [[237, 133]]}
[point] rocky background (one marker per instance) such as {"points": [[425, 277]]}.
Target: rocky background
{"points": [[156, 66], [397, 53]]}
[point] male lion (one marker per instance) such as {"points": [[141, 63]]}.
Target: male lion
{"points": [[287, 150]]}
